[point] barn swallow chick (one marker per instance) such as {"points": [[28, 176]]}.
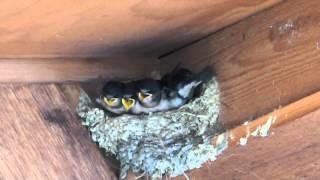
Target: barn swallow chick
{"points": [[148, 95], [149, 92], [176, 77], [142, 96], [173, 91], [112, 94], [129, 99], [152, 97], [184, 83]]}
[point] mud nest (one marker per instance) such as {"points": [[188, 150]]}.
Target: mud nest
{"points": [[162, 143]]}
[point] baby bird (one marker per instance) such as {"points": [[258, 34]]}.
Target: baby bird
{"points": [[173, 91], [148, 95], [141, 96], [112, 94], [129, 99], [184, 83], [149, 92]]}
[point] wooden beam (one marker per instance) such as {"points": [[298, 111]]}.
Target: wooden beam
{"points": [[279, 117], [41, 137], [75, 69], [51, 29], [304, 110], [291, 152], [263, 62]]}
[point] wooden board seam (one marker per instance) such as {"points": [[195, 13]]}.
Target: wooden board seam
{"points": [[279, 117]]}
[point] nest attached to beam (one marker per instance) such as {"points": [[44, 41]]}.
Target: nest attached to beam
{"points": [[160, 143]]}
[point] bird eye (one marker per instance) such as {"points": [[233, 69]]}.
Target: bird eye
{"points": [[110, 101]]}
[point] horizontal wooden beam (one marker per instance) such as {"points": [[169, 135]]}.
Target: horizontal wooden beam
{"points": [[43, 138], [291, 151], [263, 62], [102, 28], [75, 69], [279, 117]]}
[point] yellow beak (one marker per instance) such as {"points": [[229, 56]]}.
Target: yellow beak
{"points": [[128, 103], [143, 97], [109, 102]]}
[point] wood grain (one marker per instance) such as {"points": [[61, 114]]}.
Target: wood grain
{"points": [[263, 62], [42, 138], [75, 69], [280, 116], [292, 152], [44, 28]]}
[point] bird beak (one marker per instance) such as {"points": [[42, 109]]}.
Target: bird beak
{"points": [[109, 102], [142, 97], [127, 103]]}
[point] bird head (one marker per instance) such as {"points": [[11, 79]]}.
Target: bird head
{"points": [[112, 93], [149, 92], [129, 96]]}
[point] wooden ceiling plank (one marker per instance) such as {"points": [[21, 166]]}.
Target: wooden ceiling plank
{"points": [[102, 28], [263, 62], [75, 69], [42, 138]]}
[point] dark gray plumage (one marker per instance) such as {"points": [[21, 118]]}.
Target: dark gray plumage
{"points": [[171, 92], [112, 94]]}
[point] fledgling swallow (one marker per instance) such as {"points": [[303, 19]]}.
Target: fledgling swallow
{"points": [[112, 94], [173, 91], [185, 83], [129, 98], [147, 95], [152, 97], [149, 92]]}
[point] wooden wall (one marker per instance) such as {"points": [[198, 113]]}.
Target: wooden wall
{"points": [[264, 61], [110, 30], [290, 152], [42, 137], [75, 69], [102, 28]]}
